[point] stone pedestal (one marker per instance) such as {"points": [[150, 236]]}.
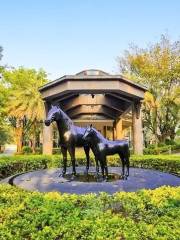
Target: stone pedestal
{"points": [[137, 129]]}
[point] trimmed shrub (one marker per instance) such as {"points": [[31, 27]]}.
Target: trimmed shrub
{"points": [[27, 150], [170, 142], [38, 150], [161, 149], [10, 165], [146, 214], [165, 163], [56, 150]]}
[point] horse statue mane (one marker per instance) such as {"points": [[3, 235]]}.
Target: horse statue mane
{"points": [[98, 134], [57, 108]]}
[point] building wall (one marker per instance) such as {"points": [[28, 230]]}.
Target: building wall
{"points": [[104, 127]]}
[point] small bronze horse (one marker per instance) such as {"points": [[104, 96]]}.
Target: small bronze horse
{"points": [[71, 136], [102, 147]]}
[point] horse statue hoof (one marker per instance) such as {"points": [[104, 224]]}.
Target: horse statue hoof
{"points": [[86, 172], [73, 176], [97, 175], [105, 179], [124, 177], [62, 174]]}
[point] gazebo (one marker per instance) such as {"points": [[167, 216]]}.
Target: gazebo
{"points": [[111, 103]]}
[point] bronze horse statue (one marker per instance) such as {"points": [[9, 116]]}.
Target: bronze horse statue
{"points": [[103, 147], [71, 136]]}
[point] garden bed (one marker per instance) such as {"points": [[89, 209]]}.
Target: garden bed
{"points": [[147, 214]]}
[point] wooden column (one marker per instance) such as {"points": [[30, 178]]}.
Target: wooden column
{"points": [[47, 135], [119, 129], [137, 128], [114, 130]]}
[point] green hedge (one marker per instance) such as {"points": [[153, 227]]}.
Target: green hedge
{"points": [[165, 163], [27, 150], [10, 165], [147, 214], [16, 164], [152, 149], [132, 216]]}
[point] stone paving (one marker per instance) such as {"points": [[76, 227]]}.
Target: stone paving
{"points": [[10, 149], [49, 180]]}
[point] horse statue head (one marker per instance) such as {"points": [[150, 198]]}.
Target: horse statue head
{"points": [[89, 133], [53, 115]]}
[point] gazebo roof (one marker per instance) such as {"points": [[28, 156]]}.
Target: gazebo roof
{"points": [[91, 74], [93, 92]]}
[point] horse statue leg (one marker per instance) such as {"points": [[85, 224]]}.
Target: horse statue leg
{"points": [[71, 151], [127, 165], [106, 168], [100, 158], [86, 149], [64, 153], [123, 165], [97, 166]]}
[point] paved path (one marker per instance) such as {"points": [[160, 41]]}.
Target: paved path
{"points": [[10, 149], [49, 180]]}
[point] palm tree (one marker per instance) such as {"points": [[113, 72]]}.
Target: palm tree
{"points": [[25, 105]]}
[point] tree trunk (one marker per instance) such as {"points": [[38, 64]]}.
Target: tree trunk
{"points": [[162, 138], [34, 138], [34, 144], [19, 138], [172, 135]]}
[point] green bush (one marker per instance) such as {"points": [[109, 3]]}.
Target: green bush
{"points": [[147, 214], [38, 150], [161, 144], [170, 142], [151, 146], [27, 150], [56, 150], [175, 147], [144, 215], [10, 165], [165, 163], [161, 149]]}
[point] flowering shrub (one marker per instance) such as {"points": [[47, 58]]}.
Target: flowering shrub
{"points": [[147, 214]]}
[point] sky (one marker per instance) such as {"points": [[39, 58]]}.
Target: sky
{"points": [[67, 36]]}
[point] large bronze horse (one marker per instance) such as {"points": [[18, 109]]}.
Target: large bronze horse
{"points": [[71, 136], [103, 147]]}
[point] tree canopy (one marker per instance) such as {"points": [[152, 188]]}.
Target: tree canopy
{"points": [[1, 49], [24, 105], [4, 129], [158, 68]]}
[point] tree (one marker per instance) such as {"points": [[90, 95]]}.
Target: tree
{"points": [[1, 49], [25, 105], [158, 68], [4, 128]]}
